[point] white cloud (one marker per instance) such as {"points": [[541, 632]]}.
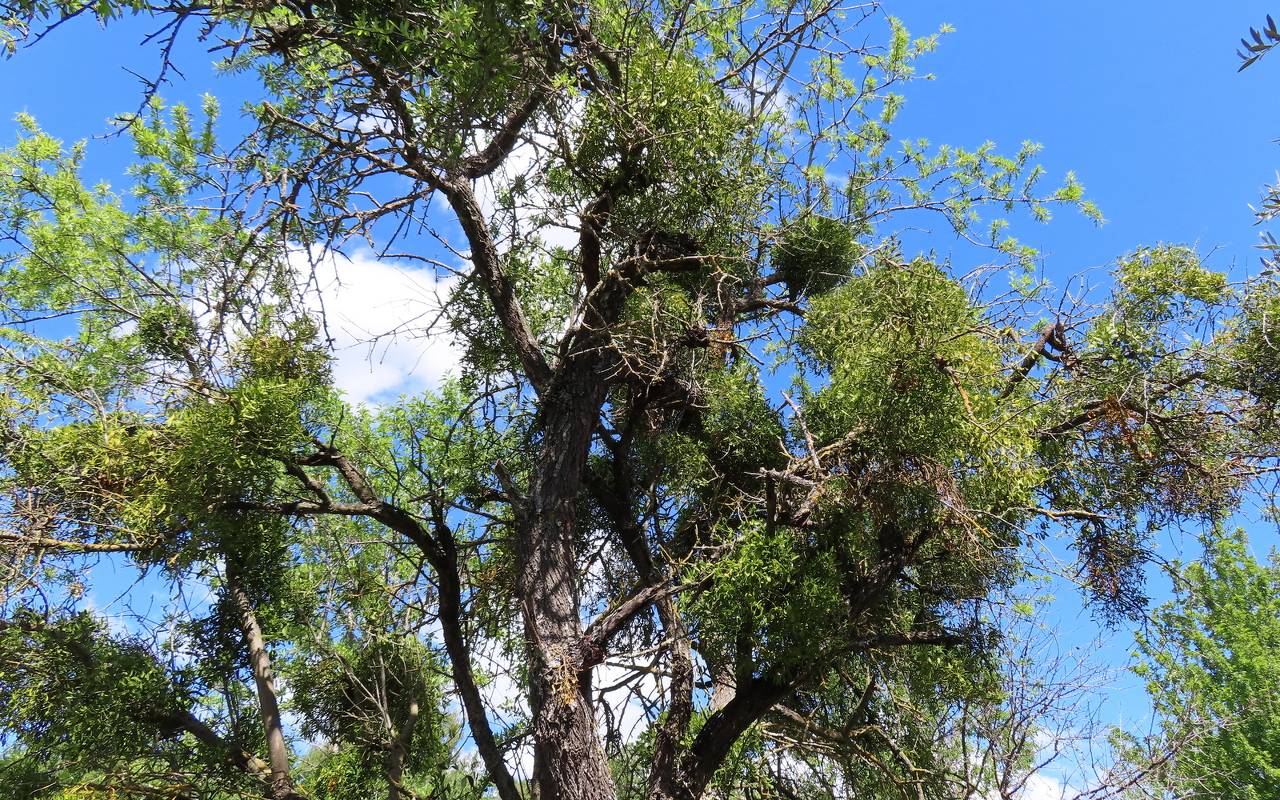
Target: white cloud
{"points": [[1044, 787], [385, 324], [538, 218]]}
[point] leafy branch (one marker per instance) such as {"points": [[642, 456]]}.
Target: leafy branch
{"points": [[1262, 41]]}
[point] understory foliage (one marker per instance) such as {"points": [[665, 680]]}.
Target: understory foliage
{"points": [[718, 495]]}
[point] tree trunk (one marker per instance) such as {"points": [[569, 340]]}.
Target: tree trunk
{"points": [[400, 748], [699, 764], [569, 761], [282, 787]]}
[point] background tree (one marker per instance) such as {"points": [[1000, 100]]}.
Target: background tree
{"points": [[714, 436], [1210, 662]]}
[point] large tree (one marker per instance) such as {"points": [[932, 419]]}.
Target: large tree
{"points": [[723, 468]]}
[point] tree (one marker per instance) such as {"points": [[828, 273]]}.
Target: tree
{"points": [[1210, 661], [1208, 655], [714, 433]]}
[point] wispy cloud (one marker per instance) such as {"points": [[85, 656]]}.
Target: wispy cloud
{"points": [[383, 319]]}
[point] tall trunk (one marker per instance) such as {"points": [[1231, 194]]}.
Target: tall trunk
{"points": [[282, 787], [569, 761]]}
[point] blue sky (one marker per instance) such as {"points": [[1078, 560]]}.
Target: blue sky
{"points": [[1141, 99]]}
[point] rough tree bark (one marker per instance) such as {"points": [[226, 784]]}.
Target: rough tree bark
{"points": [[569, 762]]}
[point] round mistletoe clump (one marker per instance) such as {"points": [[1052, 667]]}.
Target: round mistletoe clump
{"points": [[814, 255]]}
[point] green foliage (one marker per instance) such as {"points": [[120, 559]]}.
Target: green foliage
{"points": [[351, 694], [1211, 663], [21, 776], [908, 394], [132, 472], [1257, 347], [909, 378], [544, 279], [740, 428], [814, 255], [894, 341], [94, 710], [43, 670], [774, 593], [1158, 291], [1173, 337], [339, 694]]}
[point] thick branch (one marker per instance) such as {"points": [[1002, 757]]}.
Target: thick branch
{"points": [[1091, 411], [42, 543], [808, 725], [722, 729], [450, 606], [747, 305], [493, 154], [1052, 335], [603, 628], [498, 285], [238, 757]]}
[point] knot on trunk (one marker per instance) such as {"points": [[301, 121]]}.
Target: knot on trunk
{"points": [[591, 653]]}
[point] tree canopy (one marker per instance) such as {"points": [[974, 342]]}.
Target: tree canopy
{"points": [[725, 477]]}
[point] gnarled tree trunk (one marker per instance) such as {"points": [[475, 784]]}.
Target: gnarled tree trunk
{"points": [[569, 760]]}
